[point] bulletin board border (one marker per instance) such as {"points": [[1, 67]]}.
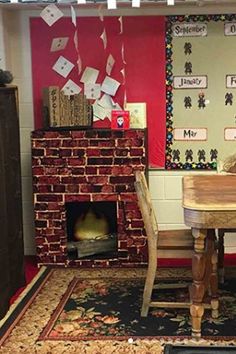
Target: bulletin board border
{"points": [[169, 163]]}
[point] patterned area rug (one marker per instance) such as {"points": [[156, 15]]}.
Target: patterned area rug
{"points": [[97, 311]]}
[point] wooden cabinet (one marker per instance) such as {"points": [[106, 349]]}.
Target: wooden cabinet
{"points": [[11, 234]]}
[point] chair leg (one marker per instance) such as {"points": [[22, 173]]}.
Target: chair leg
{"points": [[221, 252], [147, 293]]}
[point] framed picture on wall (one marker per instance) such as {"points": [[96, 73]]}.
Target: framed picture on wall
{"points": [[137, 112]]}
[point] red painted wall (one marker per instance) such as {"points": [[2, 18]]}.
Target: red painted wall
{"points": [[144, 43]]}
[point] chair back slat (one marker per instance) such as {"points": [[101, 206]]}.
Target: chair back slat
{"points": [[145, 205]]}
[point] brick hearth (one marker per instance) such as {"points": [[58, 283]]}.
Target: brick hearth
{"points": [[90, 165]]}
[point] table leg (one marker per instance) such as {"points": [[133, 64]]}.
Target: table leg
{"points": [[214, 274], [198, 287]]}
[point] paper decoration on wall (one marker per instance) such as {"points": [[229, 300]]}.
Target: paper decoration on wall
{"points": [[120, 19], [63, 66], [231, 81], [125, 99], [79, 64], [187, 102], [90, 75], [51, 14], [100, 12], [100, 112], [201, 100], [187, 48], [92, 91], [176, 155], [106, 101], [123, 53], [104, 38], [135, 3], [76, 43], [229, 98], [110, 86], [59, 44], [201, 155], [111, 4], [189, 155], [73, 16], [138, 114], [110, 64], [71, 88], [213, 154], [123, 74], [188, 68], [81, 1]]}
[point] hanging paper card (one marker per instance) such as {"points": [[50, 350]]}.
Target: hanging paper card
{"points": [[51, 14], [89, 75], [71, 88], [110, 64], [92, 91], [59, 44], [135, 3], [63, 66], [110, 86]]}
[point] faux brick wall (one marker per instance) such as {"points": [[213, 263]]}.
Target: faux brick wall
{"points": [[91, 165]]}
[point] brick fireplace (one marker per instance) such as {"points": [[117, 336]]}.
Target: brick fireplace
{"points": [[87, 166]]}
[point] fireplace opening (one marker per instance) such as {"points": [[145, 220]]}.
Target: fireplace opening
{"points": [[91, 229]]}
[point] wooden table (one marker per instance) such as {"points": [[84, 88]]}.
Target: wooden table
{"points": [[209, 203]]}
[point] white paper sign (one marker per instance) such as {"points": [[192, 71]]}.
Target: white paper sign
{"points": [[71, 88], [110, 86], [90, 75], [189, 29], [111, 4], [101, 112], [81, 1], [106, 101], [63, 66], [231, 81], [92, 91], [230, 29], [59, 44], [110, 64], [135, 3], [230, 134], [190, 82], [51, 14], [196, 134]]}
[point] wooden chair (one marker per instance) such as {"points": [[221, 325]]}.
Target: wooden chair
{"points": [[221, 252], [171, 243]]}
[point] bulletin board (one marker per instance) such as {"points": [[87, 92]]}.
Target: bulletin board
{"points": [[201, 90], [143, 38]]}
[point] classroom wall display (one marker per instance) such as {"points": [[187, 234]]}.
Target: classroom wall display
{"points": [[200, 90], [121, 56]]}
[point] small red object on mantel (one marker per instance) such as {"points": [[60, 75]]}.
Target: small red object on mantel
{"points": [[120, 119]]}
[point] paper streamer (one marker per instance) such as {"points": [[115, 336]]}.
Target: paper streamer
{"points": [[79, 64], [100, 12], [73, 16], [121, 24], [123, 74], [125, 99], [104, 38], [76, 42], [123, 53]]}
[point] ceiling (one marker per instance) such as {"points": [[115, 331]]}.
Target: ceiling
{"points": [[147, 6]]}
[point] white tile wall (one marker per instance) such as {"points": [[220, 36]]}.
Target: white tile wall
{"points": [[165, 186]]}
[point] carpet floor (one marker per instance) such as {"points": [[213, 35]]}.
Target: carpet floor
{"points": [[97, 311]]}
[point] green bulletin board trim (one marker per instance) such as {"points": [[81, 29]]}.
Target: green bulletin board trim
{"points": [[169, 163]]}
